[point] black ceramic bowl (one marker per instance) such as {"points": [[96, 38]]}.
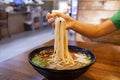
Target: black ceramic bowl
{"points": [[52, 74]]}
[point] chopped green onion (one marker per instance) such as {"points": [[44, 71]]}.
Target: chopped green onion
{"points": [[38, 62], [88, 57], [83, 64]]}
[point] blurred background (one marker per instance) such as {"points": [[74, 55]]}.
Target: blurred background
{"points": [[28, 15]]}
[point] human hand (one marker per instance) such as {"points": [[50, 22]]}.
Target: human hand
{"points": [[51, 18]]}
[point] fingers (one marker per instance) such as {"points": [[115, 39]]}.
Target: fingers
{"points": [[53, 24], [52, 15], [48, 16], [51, 20]]}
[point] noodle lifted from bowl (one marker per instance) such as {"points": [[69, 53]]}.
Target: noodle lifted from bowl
{"points": [[61, 54], [61, 57]]}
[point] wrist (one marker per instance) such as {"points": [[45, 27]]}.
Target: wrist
{"points": [[71, 24]]}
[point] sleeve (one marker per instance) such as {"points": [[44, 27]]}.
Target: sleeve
{"points": [[116, 19]]}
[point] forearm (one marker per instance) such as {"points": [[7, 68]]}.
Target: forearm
{"points": [[89, 30], [93, 31]]}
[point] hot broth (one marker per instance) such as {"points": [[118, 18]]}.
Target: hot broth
{"points": [[45, 59]]}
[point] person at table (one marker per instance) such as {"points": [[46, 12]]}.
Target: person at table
{"points": [[88, 30]]}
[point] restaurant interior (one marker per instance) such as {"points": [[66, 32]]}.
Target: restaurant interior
{"points": [[23, 27], [82, 10]]}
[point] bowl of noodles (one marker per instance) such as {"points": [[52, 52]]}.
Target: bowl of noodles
{"points": [[61, 61], [41, 60]]}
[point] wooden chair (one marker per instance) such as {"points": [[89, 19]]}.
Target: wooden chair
{"points": [[4, 23]]}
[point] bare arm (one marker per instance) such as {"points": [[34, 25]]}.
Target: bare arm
{"points": [[88, 30], [93, 31]]}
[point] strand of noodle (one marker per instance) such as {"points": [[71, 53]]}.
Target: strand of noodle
{"points": [[70, 59], [56, 37], [61, 43], [56, 44], [61, 40], [66, 56], [56, 34]]}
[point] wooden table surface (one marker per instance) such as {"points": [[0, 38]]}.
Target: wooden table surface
{"points": [[106, 67]]}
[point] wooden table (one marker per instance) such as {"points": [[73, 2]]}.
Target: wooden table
{"points": [[106, 67]]}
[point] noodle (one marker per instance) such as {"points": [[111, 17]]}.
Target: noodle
{"points": [[61, 53]]}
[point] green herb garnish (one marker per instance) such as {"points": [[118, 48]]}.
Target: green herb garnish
{"points": [[83, 64], [36, 61], [88, 57]]}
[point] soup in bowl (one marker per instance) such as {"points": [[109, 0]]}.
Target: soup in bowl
{"points": [[42, 61]]}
